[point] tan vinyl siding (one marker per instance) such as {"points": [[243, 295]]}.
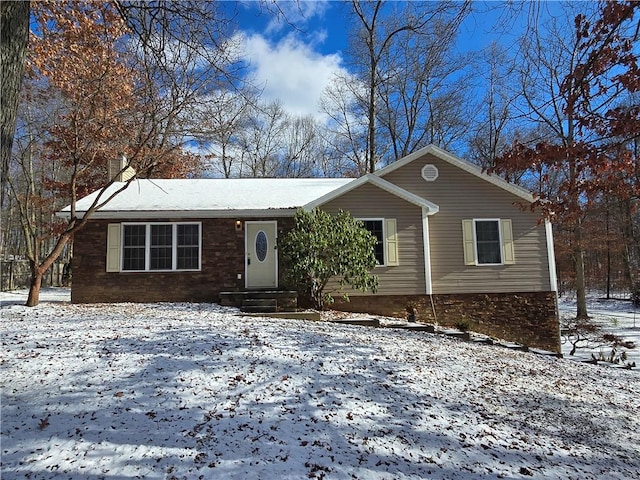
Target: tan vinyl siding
{"points": [[461, 195], [368, 201]]}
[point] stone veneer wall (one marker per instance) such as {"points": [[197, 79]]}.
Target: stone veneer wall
{"points": [[222, 261], [530, 318]]}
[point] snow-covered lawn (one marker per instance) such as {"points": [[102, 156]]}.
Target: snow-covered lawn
{"points": [[617, 317], [196, 391]]}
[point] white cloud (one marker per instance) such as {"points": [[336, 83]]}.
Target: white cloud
{"points": [[291, 71]]}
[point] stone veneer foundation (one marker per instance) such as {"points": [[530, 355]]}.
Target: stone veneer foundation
{"points": [[530, 318]]}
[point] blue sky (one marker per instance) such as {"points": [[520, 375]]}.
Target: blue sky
{"points": [[294, 59]]}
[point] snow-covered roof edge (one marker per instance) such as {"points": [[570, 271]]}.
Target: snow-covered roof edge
{"points": [[303, 190]]}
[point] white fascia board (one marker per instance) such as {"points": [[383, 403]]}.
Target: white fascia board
{"points": [[163, 214], [460, 163], [380, 183]]}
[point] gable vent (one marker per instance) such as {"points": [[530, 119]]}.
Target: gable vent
{"points": [[429, 172]]}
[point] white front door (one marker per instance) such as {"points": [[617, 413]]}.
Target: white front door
{"points": [[261, 255]]}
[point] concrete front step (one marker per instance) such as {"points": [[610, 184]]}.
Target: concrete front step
{"points": [[257, 301], [259, 305]]}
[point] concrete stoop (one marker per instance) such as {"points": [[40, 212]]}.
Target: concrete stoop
{"points": [[261, 301]]}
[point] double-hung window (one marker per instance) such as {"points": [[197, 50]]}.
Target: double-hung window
{"points": [[376, 229], [160, 246], [386, 247], [488, 242], [134, 247]]}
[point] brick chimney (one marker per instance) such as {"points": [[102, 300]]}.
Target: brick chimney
{"points": [[119, 169]]}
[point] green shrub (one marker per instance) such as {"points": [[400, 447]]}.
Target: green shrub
{"points": [[322, 246]]}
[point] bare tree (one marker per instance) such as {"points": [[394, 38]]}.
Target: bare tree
{"points": [[497, 117], [260, 141], [567, 91], [423, 89], [375, 36], [300, 153], [218, 124], [346, 128]]}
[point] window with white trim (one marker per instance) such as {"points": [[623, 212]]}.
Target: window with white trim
{"points": [[160, 246], [386, 247], [488, 241], [375, 227]]}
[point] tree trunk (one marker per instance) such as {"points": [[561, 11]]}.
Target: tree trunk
{"points": [[581, 289], [372, 121], [38, 271], [34, 289], [14, 28]]}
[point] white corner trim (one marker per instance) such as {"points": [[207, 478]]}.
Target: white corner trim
{"points": [[553, 279], [427, 251]]}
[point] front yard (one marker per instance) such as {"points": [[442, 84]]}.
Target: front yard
{"points": [[196, 391]]}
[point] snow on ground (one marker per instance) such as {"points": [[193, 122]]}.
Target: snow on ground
{"points": [[618, 317], [190, 391]]}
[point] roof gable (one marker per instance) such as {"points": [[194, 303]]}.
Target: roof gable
{"points": [[459, 163], [380, 183]]}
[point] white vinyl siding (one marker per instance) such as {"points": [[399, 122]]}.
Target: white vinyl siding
{"points": [[143, 247]]}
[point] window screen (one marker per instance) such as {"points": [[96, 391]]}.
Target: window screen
{"points": [[133, 248], [375, 227], [488, 241], [160, 250], [188, 249]]}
